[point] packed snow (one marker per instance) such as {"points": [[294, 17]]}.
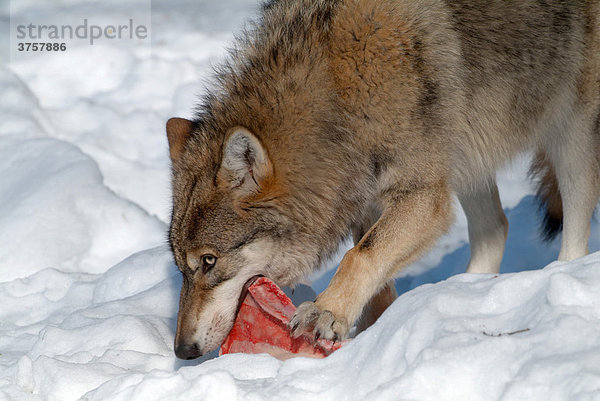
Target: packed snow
{"points": [[89, 290]]}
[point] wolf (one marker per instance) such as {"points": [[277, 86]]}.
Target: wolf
{"points": [[367, 117]]}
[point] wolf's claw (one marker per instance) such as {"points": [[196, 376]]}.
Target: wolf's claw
{"points": [[324, 324], [304, 318]]}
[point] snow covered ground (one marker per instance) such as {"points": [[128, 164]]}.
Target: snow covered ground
{"points": [[89, 290]]}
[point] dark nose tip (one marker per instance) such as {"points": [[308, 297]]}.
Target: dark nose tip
{"points": [[187, 351]]}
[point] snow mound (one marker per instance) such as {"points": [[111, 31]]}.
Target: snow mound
{"points": [[56, 212], [531, 335]]}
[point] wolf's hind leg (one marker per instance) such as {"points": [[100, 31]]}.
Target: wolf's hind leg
{"points": [[575, 159], [488, 227], [376, 306]]}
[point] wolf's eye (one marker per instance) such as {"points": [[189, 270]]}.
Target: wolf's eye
{"points": [[208, 262]]}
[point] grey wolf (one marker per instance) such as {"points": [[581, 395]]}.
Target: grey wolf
{"points": [[366, 117]]}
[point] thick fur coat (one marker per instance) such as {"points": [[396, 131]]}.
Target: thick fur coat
{"points": [[364, 116]]}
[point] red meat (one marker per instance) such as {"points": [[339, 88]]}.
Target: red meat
{"points": [[261, 326]]}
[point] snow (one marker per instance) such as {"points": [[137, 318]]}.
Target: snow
{"points": [[89, 290]]}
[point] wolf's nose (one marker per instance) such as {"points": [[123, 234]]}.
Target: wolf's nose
{"points": [[187, 351]]}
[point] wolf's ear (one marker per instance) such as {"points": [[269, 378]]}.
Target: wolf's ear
{"points": [[246, 166], [178, 132]]}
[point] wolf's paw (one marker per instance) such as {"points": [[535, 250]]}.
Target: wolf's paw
{"points": [[323, 323]]}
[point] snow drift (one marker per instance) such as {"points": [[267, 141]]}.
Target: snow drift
{"points": [[532, 335]]}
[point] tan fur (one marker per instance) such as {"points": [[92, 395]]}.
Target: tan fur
{"points": [[178, 132], [367, 116], [488, 227]]}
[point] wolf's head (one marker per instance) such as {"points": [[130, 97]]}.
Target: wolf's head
{"points": [[267, 179], [229, 225]]}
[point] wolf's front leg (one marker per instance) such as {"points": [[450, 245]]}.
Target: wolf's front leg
{"points": [[410, 223]]}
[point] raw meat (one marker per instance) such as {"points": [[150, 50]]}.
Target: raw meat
{"points": [[261, 326]]}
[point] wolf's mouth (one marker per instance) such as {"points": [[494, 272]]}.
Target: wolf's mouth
{"points": [[245, 291]]}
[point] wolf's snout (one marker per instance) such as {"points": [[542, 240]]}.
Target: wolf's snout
{"points": [[187, 351]]}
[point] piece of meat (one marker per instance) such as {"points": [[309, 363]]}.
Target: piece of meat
{"points": [[261, 326]]}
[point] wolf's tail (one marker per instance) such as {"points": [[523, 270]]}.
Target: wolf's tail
{"points": [[548, 196]]}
